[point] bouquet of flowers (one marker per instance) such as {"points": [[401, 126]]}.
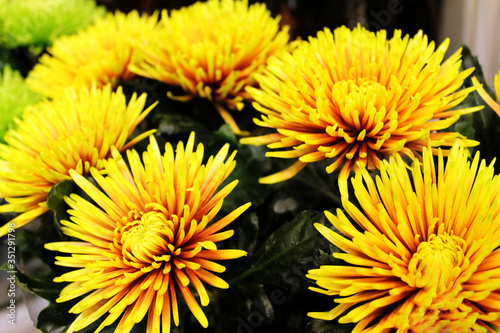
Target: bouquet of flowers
{"points": [[197, 170]]}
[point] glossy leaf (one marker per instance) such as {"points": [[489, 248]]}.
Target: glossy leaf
{"points": [[55, 201], [174, 124], [486, 122], [325, 326], [288, 253], [42, 286]]}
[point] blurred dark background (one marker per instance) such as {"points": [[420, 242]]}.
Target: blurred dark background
{"points": [[306, 17]]}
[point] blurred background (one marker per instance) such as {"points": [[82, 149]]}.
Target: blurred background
{"points": [[475, 23]]}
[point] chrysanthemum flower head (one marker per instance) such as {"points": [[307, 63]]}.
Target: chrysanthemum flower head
{"points": [[14, 97], [99, 54], [490, 101], [211, 49], [75, 131], [423, 252], [149, 238], [40, 22], [354, 96]]}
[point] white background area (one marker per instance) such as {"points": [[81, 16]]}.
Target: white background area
{"points": [[475, 23]]}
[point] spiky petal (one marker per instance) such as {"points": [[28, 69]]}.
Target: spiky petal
{"points": [[75, 131], [422, 251], [99, 54], [149, 239], [211, 49], [355, 97]]}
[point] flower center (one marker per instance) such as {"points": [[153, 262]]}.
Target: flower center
{"points": [[437, 262], [359, 92], [146, 240], [364, 110], [363, 85]]}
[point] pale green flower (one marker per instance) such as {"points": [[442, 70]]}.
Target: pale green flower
{"points": [[14, 97], [39, 22]]}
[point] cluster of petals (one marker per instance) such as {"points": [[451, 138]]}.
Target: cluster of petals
{"points": [[74, 131], [422, 249], [212, 49], [486, 97], [356, 97], [100, 54], [149, 236]]}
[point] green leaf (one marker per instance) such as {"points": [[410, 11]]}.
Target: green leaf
{"points": [[173, 118], [464, 126], [486, 122], [7, 267], [324, 326], [55, 318], [174, 124], [286, 256], [270, 287], [225, 134], [46, 288], [55, 200], [42, 286], [246, 232], [312, 188], [258, 305], [326, 258]]}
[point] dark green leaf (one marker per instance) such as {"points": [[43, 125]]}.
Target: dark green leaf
{"points": [[42, 286], [326, 258], [225, 134], [174, 124], [312, 188], [55, 318], [324, 326], [288, 253], [464, 126], [55, 200], [7, 267], [258, 309], [468, 61], [47, 289], [250, 165], [486, 122], [245, 235]]}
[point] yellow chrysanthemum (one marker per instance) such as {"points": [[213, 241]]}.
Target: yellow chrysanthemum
{"points": [[356, 97], [99, 54], [150, 237], [490, 101], [424, 252], [76, 131], [211, 49]]}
